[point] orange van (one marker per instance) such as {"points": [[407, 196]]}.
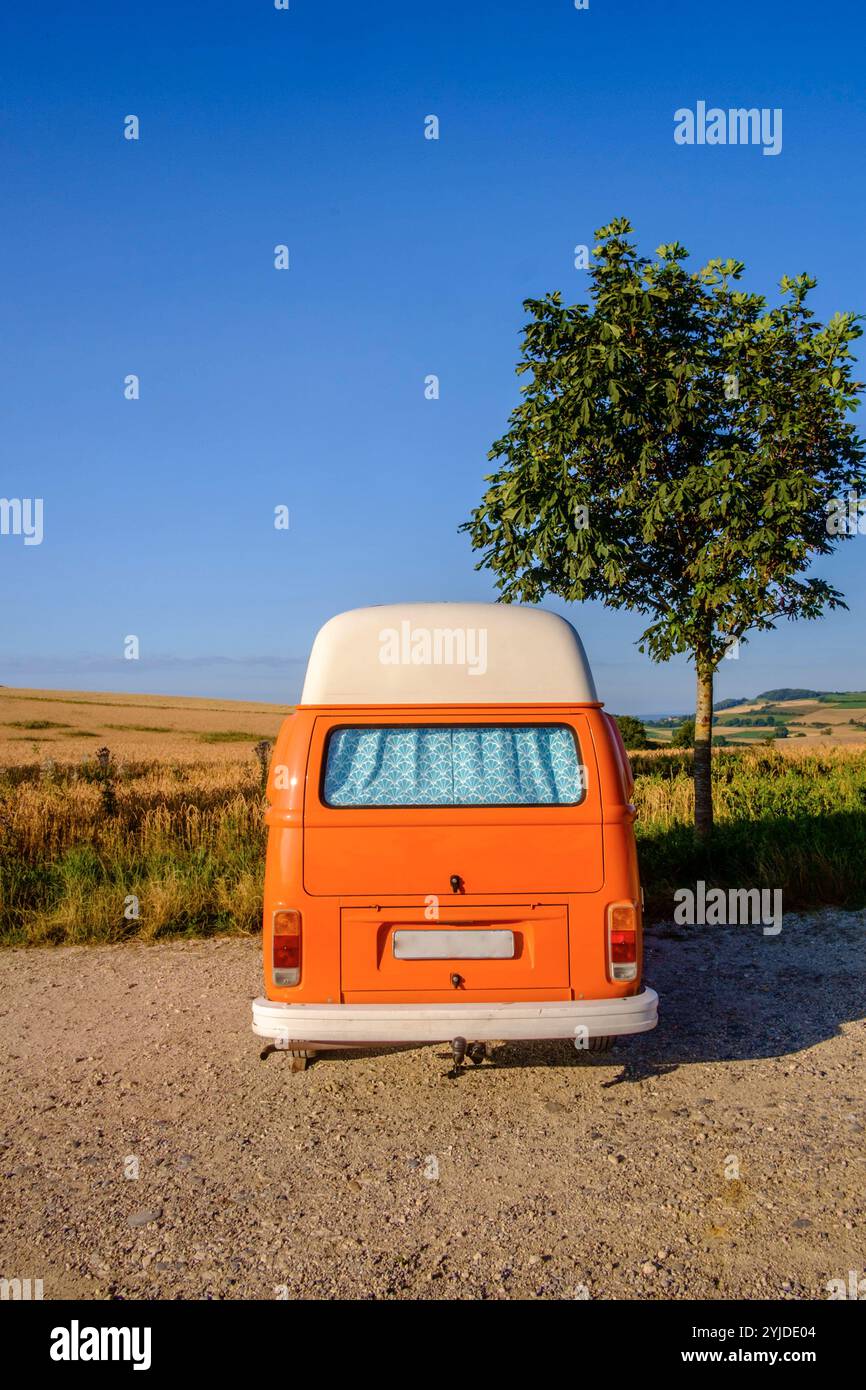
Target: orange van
{"points": [[451, 855]]}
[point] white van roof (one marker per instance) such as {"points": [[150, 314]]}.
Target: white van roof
{"points": [[447, 653]]}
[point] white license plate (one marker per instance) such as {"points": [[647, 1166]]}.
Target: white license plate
{"points": [[453, 945]]}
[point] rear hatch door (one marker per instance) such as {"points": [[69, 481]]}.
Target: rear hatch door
{"points": [[400, 852]]}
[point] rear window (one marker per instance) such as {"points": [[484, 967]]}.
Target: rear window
{"points": [[453, 765]]}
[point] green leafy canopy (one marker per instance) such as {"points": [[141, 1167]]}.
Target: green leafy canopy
{"points": [[704, 431]]}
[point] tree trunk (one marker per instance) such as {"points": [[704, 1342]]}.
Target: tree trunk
{"points": [[704, 753]]}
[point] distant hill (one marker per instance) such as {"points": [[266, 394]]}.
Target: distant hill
{"points": [[785, 692], [793, 693]]}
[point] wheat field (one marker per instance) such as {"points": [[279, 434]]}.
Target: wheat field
{"points": [[64, 726]]}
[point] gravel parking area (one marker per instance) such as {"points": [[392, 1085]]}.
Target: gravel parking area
{"points": [[721, 1156]]}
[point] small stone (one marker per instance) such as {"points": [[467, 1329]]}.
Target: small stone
{"points": [[144, 1216]]}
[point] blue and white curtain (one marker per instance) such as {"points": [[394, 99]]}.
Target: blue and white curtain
{"points": [[460, 765]]}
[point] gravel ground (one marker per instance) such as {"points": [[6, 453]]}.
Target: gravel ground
{"points": [[721, 1156]]}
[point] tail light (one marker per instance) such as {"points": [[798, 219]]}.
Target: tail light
{"points": [[622, 941], [287, 947]]}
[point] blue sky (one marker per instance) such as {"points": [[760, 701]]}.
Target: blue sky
{"points": [[408, 257]]}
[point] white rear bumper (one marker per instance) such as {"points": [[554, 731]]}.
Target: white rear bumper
{"points": [[335, 1025]]}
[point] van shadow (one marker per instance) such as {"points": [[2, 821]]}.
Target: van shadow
{"points": [[732, 994]]}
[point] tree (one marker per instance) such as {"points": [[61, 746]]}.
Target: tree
{"points": [[684, 735], [677, 451], [632, 730]]}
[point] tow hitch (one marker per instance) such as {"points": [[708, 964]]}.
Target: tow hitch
{"points": [[477, 1052], [458, 1052]]}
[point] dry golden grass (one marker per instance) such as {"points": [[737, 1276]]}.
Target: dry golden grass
{"points": [[787, 747], [665, 794], [186, 840], [172, 728]]}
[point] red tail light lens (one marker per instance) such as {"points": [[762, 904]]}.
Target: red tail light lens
{"points": [[622, 941], [287, 947]]}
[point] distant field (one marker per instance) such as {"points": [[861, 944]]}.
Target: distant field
{"points": [[69, 726], [806, 721]]}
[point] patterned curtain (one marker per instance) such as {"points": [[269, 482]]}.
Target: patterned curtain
{"points": [[461, 765]]}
